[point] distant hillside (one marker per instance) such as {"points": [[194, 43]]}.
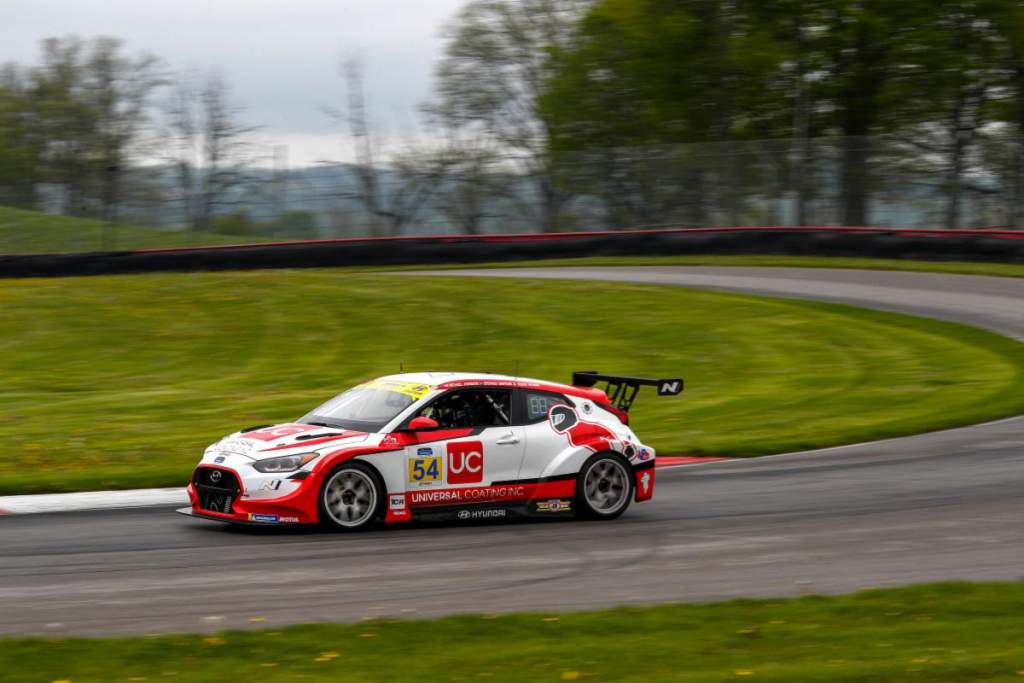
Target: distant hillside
{"points": [[32, 232]]}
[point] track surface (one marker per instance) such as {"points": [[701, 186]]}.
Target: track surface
{"points": [[946, 505]]}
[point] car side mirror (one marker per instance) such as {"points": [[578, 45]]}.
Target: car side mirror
{"points": [[422, 424]]}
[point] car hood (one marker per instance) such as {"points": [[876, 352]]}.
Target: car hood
{"points": [[285, 439]]}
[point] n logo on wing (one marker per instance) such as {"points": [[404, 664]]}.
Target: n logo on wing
{"points": [[670, 387]]}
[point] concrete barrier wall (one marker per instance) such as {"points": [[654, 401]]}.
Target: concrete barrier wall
{"points": [[939, 245]]}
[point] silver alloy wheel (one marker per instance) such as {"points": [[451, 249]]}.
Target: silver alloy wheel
{"points": [[606, 486], [350, 497]]}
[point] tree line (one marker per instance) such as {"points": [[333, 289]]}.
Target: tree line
{"points": [[624, 112], [929, 90], [941, 80], [85, 116]]}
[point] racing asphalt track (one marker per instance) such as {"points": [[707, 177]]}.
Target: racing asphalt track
{"points": [[945, 505]]}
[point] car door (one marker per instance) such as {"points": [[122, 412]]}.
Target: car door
{"points": [[475, 445], [542, 441]]}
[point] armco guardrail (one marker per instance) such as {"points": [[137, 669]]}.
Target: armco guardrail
{"points": [[944, 245]]}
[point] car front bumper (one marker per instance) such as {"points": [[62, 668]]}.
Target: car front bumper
{"points": [[298, 506]]}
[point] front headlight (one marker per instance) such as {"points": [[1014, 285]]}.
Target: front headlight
{"points": [[286, 463]]}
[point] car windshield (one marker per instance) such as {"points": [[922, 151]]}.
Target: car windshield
{"points": [[368, 407]]}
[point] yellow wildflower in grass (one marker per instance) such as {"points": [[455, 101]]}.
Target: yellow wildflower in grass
{"points": [[213, 640], [367, 635], [551, 619], [570, 675], [743, 672]]}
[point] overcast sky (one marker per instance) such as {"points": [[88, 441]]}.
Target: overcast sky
{"points": [[281, 57]]}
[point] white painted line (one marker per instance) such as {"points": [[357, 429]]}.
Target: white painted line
{"points": [[91, 500]]}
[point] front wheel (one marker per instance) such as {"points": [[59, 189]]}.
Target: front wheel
{"points": [[351, 497], [604, 486]]}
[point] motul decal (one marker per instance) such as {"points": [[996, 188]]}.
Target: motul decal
{"points": [[272, 433], [564, 420], [465, 462]]}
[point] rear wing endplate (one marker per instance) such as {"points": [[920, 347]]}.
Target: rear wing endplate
{"points": [[622, 390]]}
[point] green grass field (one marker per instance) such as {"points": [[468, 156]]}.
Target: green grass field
{"points": [[121, 381], [941, 632], [30, 232]]}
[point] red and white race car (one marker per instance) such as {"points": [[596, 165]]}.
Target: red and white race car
{"points": [[437, 445]]}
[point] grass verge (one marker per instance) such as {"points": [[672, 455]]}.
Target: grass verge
{"points": [[31, 232], [940, 632], [121, 381]]}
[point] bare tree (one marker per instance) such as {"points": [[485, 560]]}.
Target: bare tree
{"points": [[495, 67], [118, 88], [64, 124], [472, 181], [207, 145], [393, 192]]}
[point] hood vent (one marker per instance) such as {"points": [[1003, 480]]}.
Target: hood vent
{"points": [[307, 437]]}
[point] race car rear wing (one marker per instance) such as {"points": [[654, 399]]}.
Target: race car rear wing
{"points": [[622, 390]]}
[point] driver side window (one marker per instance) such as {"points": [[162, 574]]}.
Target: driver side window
{"points": [[471, 408]]}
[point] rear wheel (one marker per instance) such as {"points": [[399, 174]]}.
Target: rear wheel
{"points": [[351, 497], [604, 486]]}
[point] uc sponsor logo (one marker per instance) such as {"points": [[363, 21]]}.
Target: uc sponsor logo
{"points": [[465, 462]]}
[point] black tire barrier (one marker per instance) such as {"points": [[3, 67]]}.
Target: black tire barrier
{"points": [[991, 246]]}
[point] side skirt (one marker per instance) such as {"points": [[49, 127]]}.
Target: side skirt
{"points": [[536, 508]]}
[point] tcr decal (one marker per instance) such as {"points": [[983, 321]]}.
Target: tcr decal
{"points": [[465, 462]]}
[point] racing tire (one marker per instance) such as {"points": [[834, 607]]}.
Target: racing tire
{"points": [[351, 497], [604, 486]]}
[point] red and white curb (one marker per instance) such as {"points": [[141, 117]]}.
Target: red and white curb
{"points": [[665, 461], [91, 500]]}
